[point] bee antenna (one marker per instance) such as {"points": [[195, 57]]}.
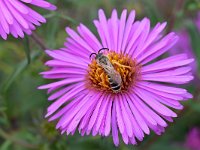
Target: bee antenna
{"points": [[92, 54], [103, 49]]}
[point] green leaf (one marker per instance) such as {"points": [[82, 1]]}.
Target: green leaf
{"points": [[2, 109], [52, 29], [65, 17], [62, 16], [6, 145], [19, 69]]}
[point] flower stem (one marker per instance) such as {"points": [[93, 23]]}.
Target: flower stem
{"points": [[38, 41]]}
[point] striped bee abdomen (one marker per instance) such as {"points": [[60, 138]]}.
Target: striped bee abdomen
{"points": [[114, 85]]}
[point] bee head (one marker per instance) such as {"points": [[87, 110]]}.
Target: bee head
{"points": [[99, 56]]}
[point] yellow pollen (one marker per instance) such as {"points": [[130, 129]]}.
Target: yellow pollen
{"points": [[128, 69]]}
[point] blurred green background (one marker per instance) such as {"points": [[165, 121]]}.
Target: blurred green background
{"points": [[22, 106]]}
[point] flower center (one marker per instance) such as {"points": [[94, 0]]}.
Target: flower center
{"points": [[100, 79]]}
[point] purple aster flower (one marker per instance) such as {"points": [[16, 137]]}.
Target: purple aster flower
{"points": [[17, 18], [193, 139], [122, 91]]}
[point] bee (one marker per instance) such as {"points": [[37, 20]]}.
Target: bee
{"points": [[114, 77]]}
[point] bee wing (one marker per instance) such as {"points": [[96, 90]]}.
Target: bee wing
{"points": [[114, 75], [108, 67]]}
